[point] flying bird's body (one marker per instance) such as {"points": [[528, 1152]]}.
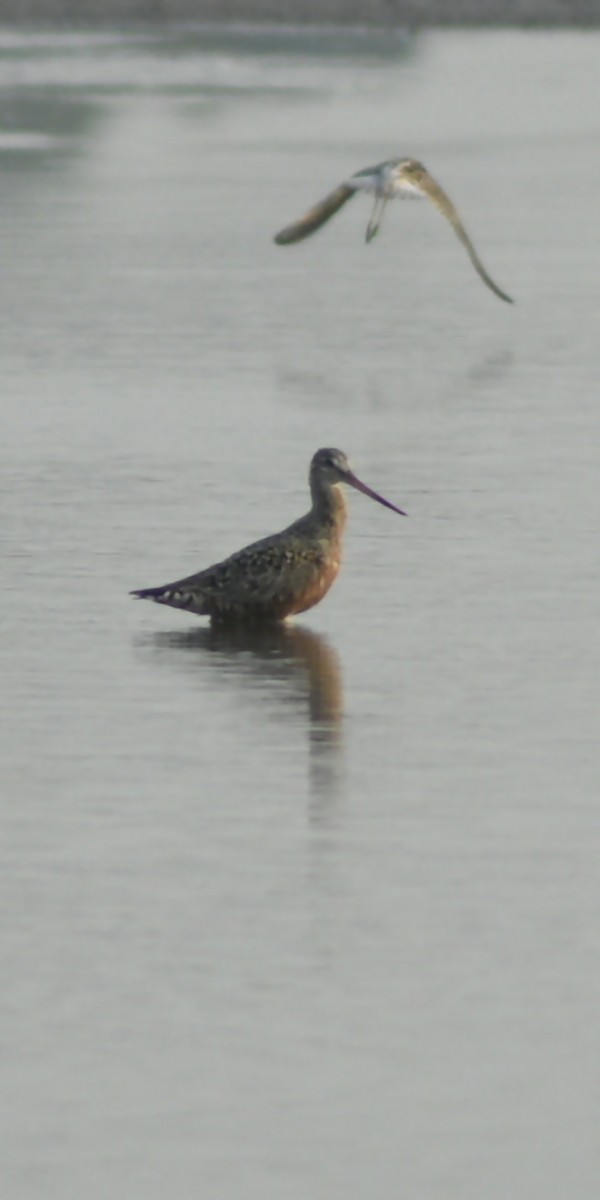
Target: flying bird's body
{"points": [[280, 575], [397, 178]]}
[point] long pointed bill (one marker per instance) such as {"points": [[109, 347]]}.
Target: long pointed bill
{"points": [[351, 478]]}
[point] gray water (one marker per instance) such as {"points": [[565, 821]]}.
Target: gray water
{"points": [[313, 916]]}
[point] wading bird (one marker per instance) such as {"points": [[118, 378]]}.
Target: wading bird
{"points": [[280, 575], [398, 178]]}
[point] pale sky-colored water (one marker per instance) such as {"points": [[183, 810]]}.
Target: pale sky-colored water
{"points": [[318, 916]]}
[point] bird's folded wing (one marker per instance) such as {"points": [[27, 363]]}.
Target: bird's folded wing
{"points": [[442, 202], [316, 216]]}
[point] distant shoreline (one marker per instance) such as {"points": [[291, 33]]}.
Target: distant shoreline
{"points": [[374, 14]]}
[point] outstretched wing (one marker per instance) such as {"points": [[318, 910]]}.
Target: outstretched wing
{"points": [[421, 178], [316, 216]]}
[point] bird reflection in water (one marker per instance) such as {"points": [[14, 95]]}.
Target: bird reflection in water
{"points": [[301, 660]]}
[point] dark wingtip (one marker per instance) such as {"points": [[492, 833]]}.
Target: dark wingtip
{"points": [[286, 238], [145, 593]]}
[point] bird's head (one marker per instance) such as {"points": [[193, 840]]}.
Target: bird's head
{"points": [[330, 467]]}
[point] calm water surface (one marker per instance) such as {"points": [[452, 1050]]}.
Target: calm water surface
{"points": [[316, 916]]}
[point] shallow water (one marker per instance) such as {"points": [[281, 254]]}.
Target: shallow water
{"points": [[314, 915]]}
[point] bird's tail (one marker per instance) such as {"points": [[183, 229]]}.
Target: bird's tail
{"points": [[315, 217], [154, 593], [175, 595]]}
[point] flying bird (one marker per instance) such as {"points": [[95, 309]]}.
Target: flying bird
{"points": [[397, 178], [280, 575]]}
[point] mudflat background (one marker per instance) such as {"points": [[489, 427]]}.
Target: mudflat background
{"points": [[378, 13]]}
